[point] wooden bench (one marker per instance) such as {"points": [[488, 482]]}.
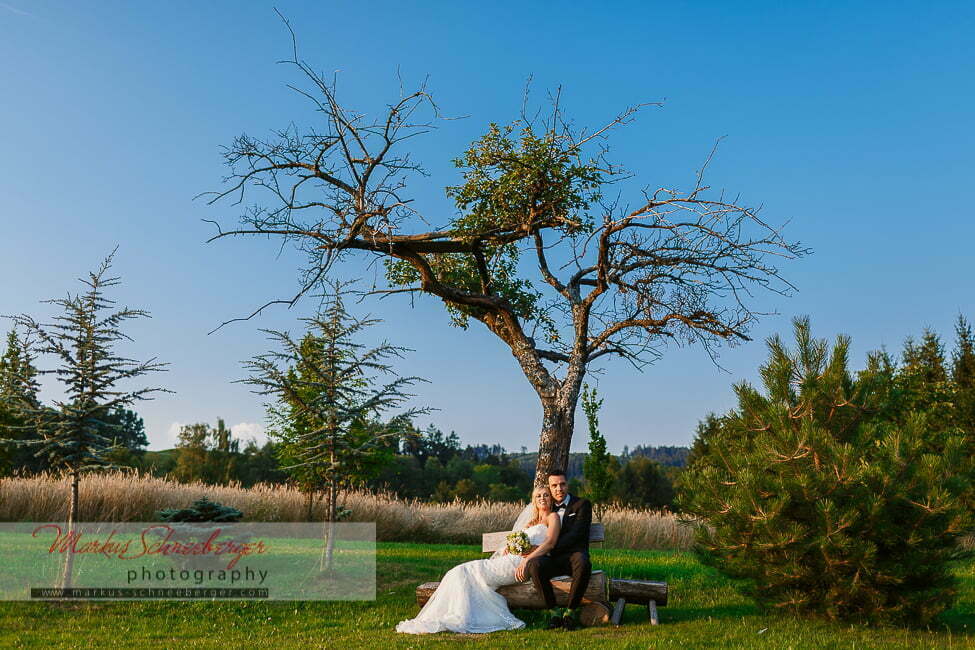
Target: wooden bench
{"points": [[599, 594]]}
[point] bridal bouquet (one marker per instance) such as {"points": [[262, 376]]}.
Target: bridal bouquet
{"points": [[518, 543]]}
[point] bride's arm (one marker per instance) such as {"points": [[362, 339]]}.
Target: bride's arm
{"points": [[554, 524]]}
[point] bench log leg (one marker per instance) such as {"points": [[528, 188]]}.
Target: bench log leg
{"points": [[618, 611], [652, 610]]}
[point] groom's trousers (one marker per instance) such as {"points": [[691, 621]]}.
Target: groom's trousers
{"points": [[543, 569]]}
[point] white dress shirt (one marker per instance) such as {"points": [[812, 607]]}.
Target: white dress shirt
{"points": [[566, 501]]}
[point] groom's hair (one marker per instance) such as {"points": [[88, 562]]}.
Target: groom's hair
{"points": [[557, 472]]}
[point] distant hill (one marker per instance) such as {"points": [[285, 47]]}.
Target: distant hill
{"points": [[161, 461], [668, 456]]}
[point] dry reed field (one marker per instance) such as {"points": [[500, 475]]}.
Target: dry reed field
{"points": [[128, 496]]}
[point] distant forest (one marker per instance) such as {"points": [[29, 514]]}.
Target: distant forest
{"points": [[667, 456]]}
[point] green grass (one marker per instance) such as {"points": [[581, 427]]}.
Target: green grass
{"points": [[704, 611]]}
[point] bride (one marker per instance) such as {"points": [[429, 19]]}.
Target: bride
{"points": [[466, 600]]}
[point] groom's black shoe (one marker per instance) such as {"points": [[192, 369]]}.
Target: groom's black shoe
{"points": [[555, 619], [570, 620]]}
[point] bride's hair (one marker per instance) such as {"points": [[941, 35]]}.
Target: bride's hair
{"points": [[536, 513]]}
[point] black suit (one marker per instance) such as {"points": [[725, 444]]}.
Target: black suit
{"points": [[569, 556]]}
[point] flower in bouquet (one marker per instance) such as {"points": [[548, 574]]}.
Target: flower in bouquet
{"points": [[517, 543]]}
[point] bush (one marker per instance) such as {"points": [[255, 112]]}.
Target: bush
{"points": [[830, 500], [202, 510]]}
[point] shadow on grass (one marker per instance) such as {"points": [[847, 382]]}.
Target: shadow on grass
{"points": [[688, 614]]}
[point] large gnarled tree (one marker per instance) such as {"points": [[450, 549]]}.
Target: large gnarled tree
{"points": [[606, 278]]}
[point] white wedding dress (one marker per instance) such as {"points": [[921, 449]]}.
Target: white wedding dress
{"points": [[466, 600]]}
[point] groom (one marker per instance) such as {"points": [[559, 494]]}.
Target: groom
{"points": [[569, 556]]}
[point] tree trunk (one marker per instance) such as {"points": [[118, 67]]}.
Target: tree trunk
{"points": [[66, 576], [331, 511], [558, 422], [558, 397], [333, 504]]}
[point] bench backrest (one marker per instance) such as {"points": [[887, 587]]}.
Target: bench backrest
{"points": [[490, 542]]}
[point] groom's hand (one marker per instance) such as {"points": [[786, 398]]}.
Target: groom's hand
{"points": [[520, 571]]}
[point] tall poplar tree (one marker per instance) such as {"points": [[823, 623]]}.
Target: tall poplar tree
{"points": [[597, 465]]}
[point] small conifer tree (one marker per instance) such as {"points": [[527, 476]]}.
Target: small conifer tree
{"points": [[596, 466], [330, 385], [18, 394], [76, 435], [824, 497]]}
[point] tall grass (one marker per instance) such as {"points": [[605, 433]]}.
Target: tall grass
{"points": [[128, 496]]}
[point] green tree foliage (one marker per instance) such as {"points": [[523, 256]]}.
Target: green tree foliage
{"points": [[128, 434], [207, 454], [191, 463], [258, 464], [466, 490], [223, 452], [514, 180], [330, 384], [78, 433], [290, 422], [827, 495], [642, 483], [963, 375], [666, 455], [706, 429], [597, 466], [18, 391], [201, 510]]}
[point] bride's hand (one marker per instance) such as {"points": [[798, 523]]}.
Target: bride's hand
{"points": [[520, 571], [529, 551]]}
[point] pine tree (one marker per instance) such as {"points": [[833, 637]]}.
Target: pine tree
{"points": [[963, 378], [830, 501], [75, 435], [596, 467], [18, 391], [927, 359], [706, 429], [922, 382], [963, 358], [329, 383], [128, 433]]}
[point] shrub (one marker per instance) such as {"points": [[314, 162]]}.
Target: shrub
{"points": [[202, 510], [826, 497]]}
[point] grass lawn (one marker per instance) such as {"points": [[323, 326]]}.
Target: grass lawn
{"points": [[704, 611]]}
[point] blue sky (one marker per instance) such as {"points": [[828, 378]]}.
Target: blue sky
{"points": [[851, 121]]}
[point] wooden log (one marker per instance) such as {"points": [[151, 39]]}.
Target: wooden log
{"points": [[524, 596], [638, 591], [490, 542], [652, 610], [618, 611], [424, 591], [594, 614]]}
